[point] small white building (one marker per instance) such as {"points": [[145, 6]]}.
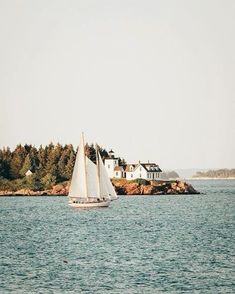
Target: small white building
{"points": [[110, 164], [28, 173], [147, 171], [119, 172]]}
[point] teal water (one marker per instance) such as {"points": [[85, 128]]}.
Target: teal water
{"points": [[141, 244]]}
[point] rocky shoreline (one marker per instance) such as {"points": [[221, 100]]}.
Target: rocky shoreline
{"points": [[122, 187]]}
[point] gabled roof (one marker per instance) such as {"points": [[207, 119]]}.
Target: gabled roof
{"points": [[128, 167], [151, 167], [28, 173], [118, 168]]}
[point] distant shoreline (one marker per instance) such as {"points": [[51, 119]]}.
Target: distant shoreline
{"points": [[207, 178]]}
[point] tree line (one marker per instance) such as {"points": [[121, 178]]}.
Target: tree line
{"points": [[49, 165], [219, 173]]}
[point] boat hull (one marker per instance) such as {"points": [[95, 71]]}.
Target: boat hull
{"points": [[114, 199], [90, 204]]}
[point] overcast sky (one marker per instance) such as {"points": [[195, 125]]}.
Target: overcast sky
{"points": [[150, 79]]}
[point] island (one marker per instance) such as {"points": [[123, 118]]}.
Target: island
{"points": [[32, 171], [122, 187]]}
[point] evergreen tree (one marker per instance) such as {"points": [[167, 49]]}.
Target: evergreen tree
{"points": [[5, 159], [18, 158], [90, 152], [5, 185], [53, 160], [50, 158], [121, 161], [33, 155], [70, 165], [103, 153], [62, 164], [48, 181], [27, 148], [42, 159], [34, 183], [26, 166]]}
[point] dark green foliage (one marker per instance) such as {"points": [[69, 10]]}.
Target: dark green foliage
{"points": [[17, 161], [5, 184], [5, 160], [90, 152], [69, 163], [121, 161], [12, 185], [26, 166], [48, 181], [34, 160], [50, 165], [34, 183], [103, 153]]}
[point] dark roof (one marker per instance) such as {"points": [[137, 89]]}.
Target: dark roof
{"points": [[151, 167], [113, 158]]}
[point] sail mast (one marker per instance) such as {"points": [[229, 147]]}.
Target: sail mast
{"points": [[86, 192], [98, 170]]}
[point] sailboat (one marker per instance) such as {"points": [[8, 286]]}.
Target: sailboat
{"points": [[90, 185]]}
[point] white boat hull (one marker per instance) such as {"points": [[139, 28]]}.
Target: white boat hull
{"points": [[90, 204], [113, 199]]}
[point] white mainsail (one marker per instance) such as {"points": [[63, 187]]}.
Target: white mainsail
{"points": [[106, 187], [78, 186]]}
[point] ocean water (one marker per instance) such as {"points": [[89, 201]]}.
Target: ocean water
{"points": [[140, 244]]}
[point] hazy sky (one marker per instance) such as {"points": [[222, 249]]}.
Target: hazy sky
{"points": [[151, 79]]}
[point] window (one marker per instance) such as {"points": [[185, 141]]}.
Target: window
{"points": [[153, 175], [131, 175], [116, 173], [140, 175], [140, 169], [108, 166]]}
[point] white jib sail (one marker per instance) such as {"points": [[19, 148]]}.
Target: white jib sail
{"points": [[78, 184], [106, 188], [92, 185]]}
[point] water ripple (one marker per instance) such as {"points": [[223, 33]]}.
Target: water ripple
{"points": [[173, 244]]}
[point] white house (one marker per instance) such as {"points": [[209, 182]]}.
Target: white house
{"points": [[147, 171]]}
